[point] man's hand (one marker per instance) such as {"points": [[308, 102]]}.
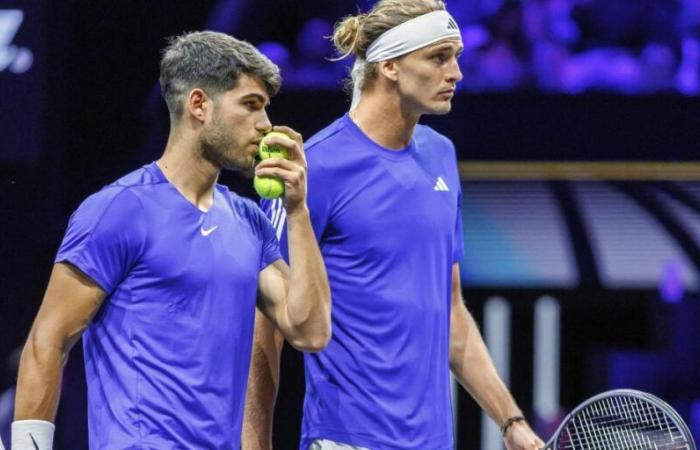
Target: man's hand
{"points": [[519, 436], [291, 171]]}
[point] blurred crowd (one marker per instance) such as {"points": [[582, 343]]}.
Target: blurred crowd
{"points": [[558, 46]]}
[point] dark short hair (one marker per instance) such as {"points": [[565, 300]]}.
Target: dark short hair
{"points": [[213, 62]]}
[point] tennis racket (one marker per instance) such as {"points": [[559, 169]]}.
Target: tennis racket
{"points": [[622, 419]]}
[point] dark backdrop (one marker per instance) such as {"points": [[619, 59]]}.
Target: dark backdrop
{"points": [[101, 116]]}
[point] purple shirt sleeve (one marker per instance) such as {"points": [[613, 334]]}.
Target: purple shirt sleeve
{"points": [[105, 237]]}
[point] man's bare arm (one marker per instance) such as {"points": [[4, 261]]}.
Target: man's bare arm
{"points": [[472, 365], [293, 304], [263, 383], [70, 302]]}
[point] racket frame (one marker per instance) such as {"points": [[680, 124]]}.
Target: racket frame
{"points": [[644, 396]]}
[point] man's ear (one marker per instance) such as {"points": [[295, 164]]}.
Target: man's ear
{"points": [[389, 69], [198, 104]]}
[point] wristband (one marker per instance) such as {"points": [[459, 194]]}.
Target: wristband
{"points": [[32, 435], [510, 421]]}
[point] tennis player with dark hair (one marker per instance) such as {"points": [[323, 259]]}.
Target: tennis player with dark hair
{"points": [[159, 271], [384, 196]]}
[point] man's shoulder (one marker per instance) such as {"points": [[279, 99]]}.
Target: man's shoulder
{"points": [[243, 206], [436, 153], [426, 135], [146, 175], [122, 193], [234, 200], [326, 139], [334, 152]]}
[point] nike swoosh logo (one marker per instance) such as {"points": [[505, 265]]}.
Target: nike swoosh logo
{"points": [[36, 446], [206, 233]]}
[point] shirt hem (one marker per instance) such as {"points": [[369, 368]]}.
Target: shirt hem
{"points": [[86, 269], [369, 443]]}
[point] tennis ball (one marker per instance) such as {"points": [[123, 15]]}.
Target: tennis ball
{"points": [[271, 151], [268, 187]]}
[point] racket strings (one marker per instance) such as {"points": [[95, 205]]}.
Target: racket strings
{"points": [[622, 423], [624, 432]]}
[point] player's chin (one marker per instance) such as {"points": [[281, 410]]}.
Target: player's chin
{"points": [[246, 164], [440, 108]]}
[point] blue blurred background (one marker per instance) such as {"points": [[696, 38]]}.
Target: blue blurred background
{"points": [[577, 129]]}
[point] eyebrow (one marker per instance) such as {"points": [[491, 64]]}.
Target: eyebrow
{"points": [[443, 47]]}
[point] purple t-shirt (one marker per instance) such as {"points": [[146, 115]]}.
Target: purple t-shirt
{"points": [[389, 228], [167, 354]]}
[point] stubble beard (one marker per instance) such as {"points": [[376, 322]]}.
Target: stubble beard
{"points": [[220, 148]]}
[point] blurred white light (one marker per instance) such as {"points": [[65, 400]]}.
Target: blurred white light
{"points": [[497, 337], [17, 59], [546, 366]]}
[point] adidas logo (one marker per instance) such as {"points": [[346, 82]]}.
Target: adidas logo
{"points": [[452, 25], [440, 185]]}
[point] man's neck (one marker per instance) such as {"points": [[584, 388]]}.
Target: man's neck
{"points": [[382, 119], [192, 175]]}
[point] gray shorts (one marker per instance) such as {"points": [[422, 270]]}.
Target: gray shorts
{"points": [[325, 444]]}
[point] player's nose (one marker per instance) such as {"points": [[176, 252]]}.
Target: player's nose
{"points": [[454, 74], [263, 123]]}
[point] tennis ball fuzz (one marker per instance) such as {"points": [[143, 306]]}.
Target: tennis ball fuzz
{"points": [[273, 151], [268, 187]]}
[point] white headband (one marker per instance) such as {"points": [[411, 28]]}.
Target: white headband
{"points": [[413, 34]]}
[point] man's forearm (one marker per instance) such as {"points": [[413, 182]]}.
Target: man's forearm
{"points": [[308, 299], [263, 382], [472, 365], [39, 381]]}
